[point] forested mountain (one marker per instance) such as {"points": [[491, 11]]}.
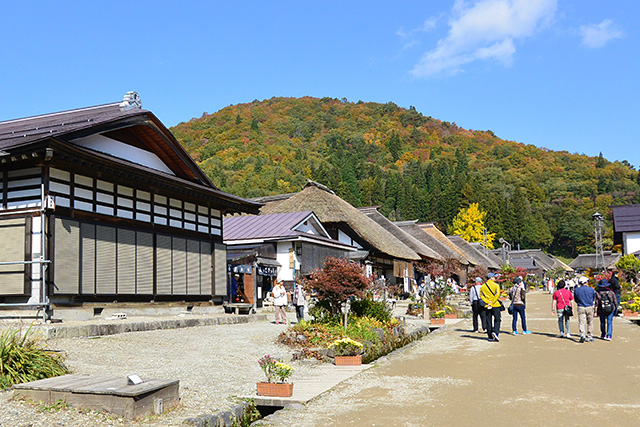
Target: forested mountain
{"points": [[413, 166]]}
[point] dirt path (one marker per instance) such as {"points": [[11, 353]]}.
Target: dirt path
{"points": [[455, 378]]}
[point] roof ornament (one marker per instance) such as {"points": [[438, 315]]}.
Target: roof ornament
{"points": [[130, 101]]}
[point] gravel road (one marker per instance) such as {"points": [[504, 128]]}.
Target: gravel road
{"points": [[213, 363]]}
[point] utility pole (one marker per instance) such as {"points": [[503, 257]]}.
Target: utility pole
{"points": [[597, 225]]}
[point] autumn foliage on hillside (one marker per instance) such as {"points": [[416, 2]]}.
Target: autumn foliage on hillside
{"points": [[413, 166]]}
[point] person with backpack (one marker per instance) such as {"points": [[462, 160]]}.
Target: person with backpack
{"points": [[617, 290], [561, 304], [605, 308], [517, 295], [476, 305], [585, 299]]}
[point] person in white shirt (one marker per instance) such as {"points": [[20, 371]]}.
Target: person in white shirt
{"points": [[280, 302], [476, 308]]}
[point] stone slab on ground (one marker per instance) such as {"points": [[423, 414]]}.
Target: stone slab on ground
{"points": [[107, 394]]}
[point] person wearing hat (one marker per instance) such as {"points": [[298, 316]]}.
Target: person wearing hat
{"points": [[476, 307], [605, 308], [517, 295], [585, 297], [490, 295]]}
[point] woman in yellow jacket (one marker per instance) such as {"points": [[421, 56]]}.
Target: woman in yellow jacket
{"points": [[490, 295]]}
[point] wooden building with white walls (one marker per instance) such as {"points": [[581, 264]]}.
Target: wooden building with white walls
{"points": [[127, 214]]}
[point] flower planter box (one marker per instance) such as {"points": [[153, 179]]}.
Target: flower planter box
{"points": [[451, 316], [629, 313], [348, 360], [275, 389], [439, 321]]}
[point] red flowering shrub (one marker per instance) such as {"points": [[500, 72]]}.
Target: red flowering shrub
{"points": [[337, 281]]}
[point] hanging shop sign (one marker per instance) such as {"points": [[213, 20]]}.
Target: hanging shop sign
{"points": [[237, 268], [267, 271]]}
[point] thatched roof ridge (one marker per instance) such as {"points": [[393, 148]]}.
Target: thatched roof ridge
{"points": [[330, 208], [472, 254], [433, 231], [487, 254], [415, 244], [584, 261], [412, 228]]}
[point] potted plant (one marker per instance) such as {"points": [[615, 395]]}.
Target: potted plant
{"points": [[631, 307], [277, 374], [347, 352], [437, 317], [449, 313]]}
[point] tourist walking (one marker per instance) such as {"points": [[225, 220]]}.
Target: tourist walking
{"points": [[617, 290], [605, 308], [561, 305], [517, 295], [476, 307], [280, 302], [299, 301], [490, 296], [585, 297]]}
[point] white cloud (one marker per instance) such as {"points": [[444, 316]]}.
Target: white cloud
{"points": [[597, 35], [485, 30]]}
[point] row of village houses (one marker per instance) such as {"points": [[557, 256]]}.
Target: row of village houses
{"points": [[104, 204]]}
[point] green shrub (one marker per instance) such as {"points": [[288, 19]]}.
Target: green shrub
{"points": [[23, 359], [369, 308]]}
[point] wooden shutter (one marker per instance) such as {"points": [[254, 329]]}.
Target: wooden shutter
{"points": [[88, 233], [193, 267], [12, 248], [163, 258], [220, 269], [126, 252], [66, 256], [206, 258], [144, 263], [105, 260], [179, 254]]}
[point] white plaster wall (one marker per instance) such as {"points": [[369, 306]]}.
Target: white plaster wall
{"points": [[123, 151], [631, 242], [282, 255], [36, 248], [342, 237]]}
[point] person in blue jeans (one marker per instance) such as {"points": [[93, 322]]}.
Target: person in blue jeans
{"points": [[605, 309], [517, 295]]}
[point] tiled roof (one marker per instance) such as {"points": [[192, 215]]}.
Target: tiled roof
{"points": [[263, 226], [626, 218]]}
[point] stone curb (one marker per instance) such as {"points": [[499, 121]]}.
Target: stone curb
{"points": [[102, 329], [228, 418]]}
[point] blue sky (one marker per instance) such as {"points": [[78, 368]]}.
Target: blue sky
{"points": [[556, 74]]}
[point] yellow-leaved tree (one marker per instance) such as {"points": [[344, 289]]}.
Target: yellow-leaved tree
{"points": [[469, 224]]}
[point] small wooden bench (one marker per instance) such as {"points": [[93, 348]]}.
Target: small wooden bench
{"points": [[108, 394], [238, 307]]}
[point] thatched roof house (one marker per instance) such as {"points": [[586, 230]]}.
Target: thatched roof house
{"points": [[445, 250], [534, 260], [474, 256], [388, 255], [420, 247], [584, 262]]}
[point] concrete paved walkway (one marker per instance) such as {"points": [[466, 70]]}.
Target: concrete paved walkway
{"points": [[456, 378]]}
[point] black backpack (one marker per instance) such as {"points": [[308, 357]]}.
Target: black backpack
{"points": [[605, 303]]}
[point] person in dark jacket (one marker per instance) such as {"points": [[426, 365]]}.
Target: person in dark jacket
{"points": [[617, 289], [605, 309]]}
